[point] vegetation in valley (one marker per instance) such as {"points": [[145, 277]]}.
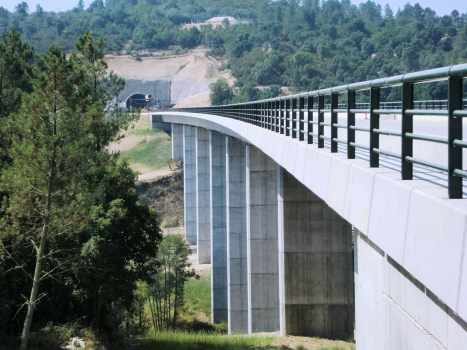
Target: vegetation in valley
{"points": [[152, 153], [303, 45], [198, 294], [165, 195]]}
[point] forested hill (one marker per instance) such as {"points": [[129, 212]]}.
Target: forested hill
{"points": [[311, 45]]}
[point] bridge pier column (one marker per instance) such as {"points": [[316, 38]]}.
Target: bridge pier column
{"points": [[218, 227], [189, 182], [315, 264], [203, 196], [177, 142], [237, 287], [262, 243]]}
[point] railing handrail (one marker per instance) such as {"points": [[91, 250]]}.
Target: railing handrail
{"points": [[286, 115]]}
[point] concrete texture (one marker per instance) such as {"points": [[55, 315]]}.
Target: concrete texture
{"points": [[316, 264], [177, 142], [262, 244], [236, 236], [217, 156], [397, 310], [189, 183], [203, 196]]}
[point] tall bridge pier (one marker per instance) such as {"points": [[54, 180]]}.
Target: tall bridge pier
{"points": [[281, 258]]}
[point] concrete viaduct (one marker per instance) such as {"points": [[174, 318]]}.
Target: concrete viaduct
{"points": [[313, 229]]}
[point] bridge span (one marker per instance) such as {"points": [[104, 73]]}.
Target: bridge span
{"points": [[314, 230]]}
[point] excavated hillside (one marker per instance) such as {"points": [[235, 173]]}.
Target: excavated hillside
{"points": [[189, 75]]}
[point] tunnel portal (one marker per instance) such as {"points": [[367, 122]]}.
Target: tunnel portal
{"points": [[136, 100]]}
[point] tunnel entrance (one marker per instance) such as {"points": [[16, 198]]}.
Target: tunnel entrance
{"points": [[148, 102], [137, 100]]}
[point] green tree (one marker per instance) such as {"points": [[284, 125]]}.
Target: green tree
{"points": [[168, 287], [102, 87], [80, 6], [50, 148], [22, 9], [14, 56], [117, 243], [221, 92]]}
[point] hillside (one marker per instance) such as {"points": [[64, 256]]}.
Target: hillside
{"points": [[303, 45]]}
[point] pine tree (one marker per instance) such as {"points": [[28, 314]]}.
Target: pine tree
{"points": [[49, 151]]}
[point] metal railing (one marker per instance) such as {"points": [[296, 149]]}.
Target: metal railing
{"points": [[286, 115], [428, 104]]}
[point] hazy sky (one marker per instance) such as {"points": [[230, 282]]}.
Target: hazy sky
{"points": [[442, 7]]}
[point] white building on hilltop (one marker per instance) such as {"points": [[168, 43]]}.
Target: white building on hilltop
{"points": [[220, 19]]}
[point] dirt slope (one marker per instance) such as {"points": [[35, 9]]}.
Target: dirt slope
{"points": [[166, 196], [189, 74]]}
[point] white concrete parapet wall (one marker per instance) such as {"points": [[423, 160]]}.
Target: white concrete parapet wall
{"points": [[189, 182], [236, 236], [262, 244], [203, 196], [218, 216]]}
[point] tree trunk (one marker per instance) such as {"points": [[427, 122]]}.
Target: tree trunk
{"points": [[151, 305], [175, 302], [38, 270], [40, 254]]}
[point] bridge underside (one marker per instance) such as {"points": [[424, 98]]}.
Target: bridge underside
{"points": [[289, 258]]}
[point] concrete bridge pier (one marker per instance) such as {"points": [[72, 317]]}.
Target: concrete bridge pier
{"points": [[262, 242], [316, 283], [203, 197], [218, 218], [177, 142], [237, 283], [189, 182]]}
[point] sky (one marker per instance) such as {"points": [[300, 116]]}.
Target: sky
{"points": [[442, 7]]}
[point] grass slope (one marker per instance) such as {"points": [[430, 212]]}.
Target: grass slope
{"points": [[198, 294], [152, 154], [201, 341]]}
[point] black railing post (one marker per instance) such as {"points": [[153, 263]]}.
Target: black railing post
{"points": [[320, 120], [274, 117], [261, 113], [282, 114], [309, 119], [278, 116], [374, 124], [350, 122], [301, 113], [269, 104], [287, 118], [454, 133], [252, 113], [255, 113], [334, 120], [293, 117], [407, 127]]}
